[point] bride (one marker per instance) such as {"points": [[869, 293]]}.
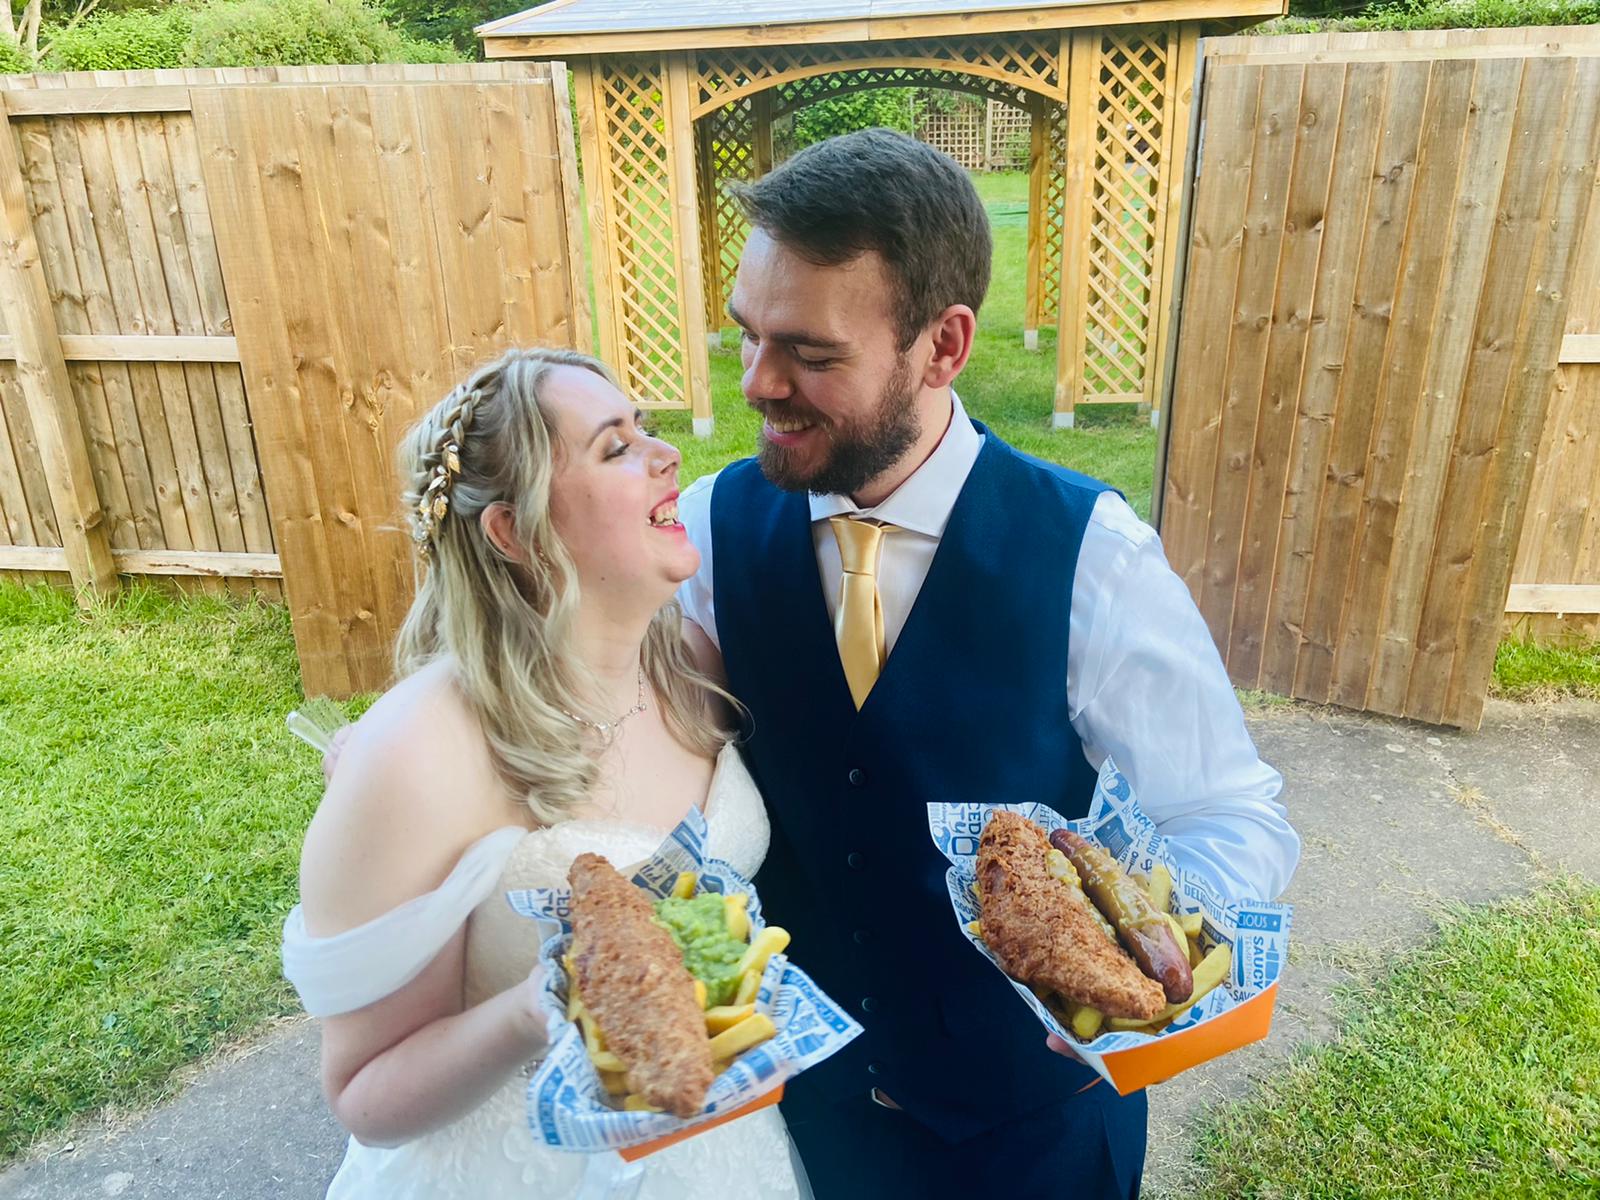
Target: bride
{"points": [[548, 705]]}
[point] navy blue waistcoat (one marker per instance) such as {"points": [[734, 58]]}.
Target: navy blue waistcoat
{"points": [[971, 706]]}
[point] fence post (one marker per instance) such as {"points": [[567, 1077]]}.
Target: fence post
{"points": [[42, 373]]}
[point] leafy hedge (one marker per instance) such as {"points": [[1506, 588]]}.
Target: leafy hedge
{"points": [[238, 33], [1440, 14]]}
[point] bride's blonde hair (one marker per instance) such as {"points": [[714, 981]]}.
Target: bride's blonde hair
{"points": [[507, 624]]}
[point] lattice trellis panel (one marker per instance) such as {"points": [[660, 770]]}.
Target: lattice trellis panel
{"points": [[728, 138], [1130, 102], [1052, 218], [1018, 63], [636, 176]]}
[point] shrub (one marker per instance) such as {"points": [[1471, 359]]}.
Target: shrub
{"points": [[121, 41], [239, 33], [14, 59], [246, 33]]}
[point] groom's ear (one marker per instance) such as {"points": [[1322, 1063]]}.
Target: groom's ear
{"points": [[952, 332]]}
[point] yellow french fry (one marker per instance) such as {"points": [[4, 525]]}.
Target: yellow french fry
{"points": [[637, 1103], [574, 1005], [726, 1016], [1211, 971], [592, 1040], [605, 1060], [1161, 887], [736, 911], [749, 988], [1177, 930], [975, 928], [615, 1083], [683, 889], [700, 993], [1086, 1021], [736, 1039], [768, 942], [1196, 951], [1192, 923]]}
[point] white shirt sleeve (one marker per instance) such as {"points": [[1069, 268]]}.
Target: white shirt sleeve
{"points": [[361, 966], [1146, 687], [695, 594]]}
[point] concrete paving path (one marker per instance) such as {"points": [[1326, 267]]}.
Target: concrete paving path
{"points": [[1396, 819]]}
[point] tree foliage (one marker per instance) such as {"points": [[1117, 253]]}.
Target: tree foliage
{"points": [[234, 33]]}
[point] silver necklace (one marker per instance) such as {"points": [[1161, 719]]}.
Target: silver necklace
{"points": [[607, 728]]}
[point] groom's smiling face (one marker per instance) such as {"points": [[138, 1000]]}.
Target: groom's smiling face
{"points": [[823, 366]]}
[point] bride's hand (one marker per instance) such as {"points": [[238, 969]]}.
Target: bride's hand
{"points": [[531, 1008], [330, 757]]}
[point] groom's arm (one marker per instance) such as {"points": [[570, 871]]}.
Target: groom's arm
{"points": [[1147, 688]]}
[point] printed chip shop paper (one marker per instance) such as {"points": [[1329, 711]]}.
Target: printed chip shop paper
{"points": [[568, 1107], [1237, 1012]]}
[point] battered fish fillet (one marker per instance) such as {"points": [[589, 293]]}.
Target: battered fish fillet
{"points": [[630, 975], [1041, 932]]}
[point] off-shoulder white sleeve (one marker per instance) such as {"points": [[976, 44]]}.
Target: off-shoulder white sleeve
{"points": [[350, 970]]}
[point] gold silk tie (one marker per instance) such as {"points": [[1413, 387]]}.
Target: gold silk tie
{"points": [[858, 623]]}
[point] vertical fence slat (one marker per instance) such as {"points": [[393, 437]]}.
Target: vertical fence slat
{"points": [[1476, 201], [42, 373], [1411, 324], [1315, 131], [1488, 371], [1377, 279], [1253, 306]]}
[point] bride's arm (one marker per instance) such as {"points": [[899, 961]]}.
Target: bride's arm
{"points": [[390, 829]]}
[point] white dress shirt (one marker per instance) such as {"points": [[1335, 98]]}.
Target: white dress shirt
{"points": [[1145, 684]]}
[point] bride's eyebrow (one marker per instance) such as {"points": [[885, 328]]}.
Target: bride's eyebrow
{"points": [[614, 423]]}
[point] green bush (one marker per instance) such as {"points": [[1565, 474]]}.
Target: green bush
{"points": [[245, 33], [14, 59], [121, 41], [889, 108], [239, 33], [1436, 14]]}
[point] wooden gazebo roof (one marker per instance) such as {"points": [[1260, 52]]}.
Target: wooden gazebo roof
{"points": [[627, 26]]}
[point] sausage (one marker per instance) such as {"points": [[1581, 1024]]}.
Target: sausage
{"points": [[1143, 930]]}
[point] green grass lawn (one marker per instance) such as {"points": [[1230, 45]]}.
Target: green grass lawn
{"points": [[1470, 1071], [151, 811], [1527, 670]]}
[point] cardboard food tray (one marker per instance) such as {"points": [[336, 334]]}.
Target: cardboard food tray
{"points": [[567, 1104], [1236, 1013]]}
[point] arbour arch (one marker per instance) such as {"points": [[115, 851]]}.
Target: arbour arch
{"points": [[663, 131]]}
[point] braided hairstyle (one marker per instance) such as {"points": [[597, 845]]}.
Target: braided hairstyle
{"points": [[506, 621]]}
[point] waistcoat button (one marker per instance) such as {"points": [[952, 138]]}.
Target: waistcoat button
{"points": [[857, 777], [869, 1004], [855, 860]]}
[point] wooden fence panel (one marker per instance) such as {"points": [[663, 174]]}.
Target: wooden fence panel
{"points": [[377, 240], [1354, 430]]}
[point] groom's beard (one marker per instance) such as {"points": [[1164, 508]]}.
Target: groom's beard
{"points": [[858, 453]]}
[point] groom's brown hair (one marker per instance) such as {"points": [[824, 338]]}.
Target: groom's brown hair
{"points": [[878, 190]]}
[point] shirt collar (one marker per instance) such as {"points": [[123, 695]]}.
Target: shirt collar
{"points": [[923, 502]]}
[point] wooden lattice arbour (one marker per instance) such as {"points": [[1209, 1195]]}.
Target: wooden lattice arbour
{"points": [[675, 103]]}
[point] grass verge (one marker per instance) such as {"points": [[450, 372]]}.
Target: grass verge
{"points": [[151, 811], [1470, 1070], [1526, 670]]}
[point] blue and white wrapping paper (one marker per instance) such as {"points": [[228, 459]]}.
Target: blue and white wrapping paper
{"points": [[568, 1107], [1257, 930]]}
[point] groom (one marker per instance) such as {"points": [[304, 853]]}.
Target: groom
{"points": [[912, 611]]}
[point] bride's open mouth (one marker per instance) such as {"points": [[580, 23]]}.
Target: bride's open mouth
{"points": [[665, 514]]}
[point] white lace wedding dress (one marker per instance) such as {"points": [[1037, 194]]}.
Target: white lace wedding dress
{"points": [[489, 1153]]}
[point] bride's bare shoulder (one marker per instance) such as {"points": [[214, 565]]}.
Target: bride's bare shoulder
{"points": [[414, 787]]}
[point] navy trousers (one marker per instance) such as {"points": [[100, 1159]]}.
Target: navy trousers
{"points": [[1090, 1148]]}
